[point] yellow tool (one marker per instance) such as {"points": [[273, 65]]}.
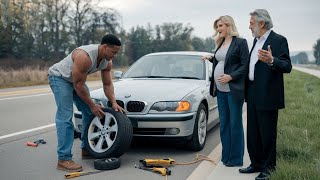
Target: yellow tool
{"points": [[161, 165], [161, 170], [77, 174], [158, 162]]}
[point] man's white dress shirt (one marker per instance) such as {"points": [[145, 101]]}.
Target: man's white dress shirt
{"points": [[254, 54]]}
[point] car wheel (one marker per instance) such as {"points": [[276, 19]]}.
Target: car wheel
{"points": [[199, 135], [109, 136]]}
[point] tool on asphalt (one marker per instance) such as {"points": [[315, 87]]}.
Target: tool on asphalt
{"points": [[170, 162], [36, 143], [78, 174], [161, 170], [157, 162], [161, 165], [157, 165]]}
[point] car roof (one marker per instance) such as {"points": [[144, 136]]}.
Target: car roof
{"points": [[198, 53]]}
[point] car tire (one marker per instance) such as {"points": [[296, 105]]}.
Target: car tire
{"points": [[107, 164], [199, 135], [109, 136]]}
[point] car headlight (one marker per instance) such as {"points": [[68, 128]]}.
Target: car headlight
{"points": [[171, 106]]}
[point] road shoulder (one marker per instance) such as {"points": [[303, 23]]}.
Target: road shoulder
{"points": [[207, 170]]}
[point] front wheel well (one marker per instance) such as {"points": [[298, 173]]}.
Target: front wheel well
{"points": [[205, 103]]}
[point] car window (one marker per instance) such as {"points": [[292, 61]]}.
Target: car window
{"points": [[167, 66]]}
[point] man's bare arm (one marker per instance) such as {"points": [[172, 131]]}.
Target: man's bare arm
{"points": [[81, 65], [108, 87]]}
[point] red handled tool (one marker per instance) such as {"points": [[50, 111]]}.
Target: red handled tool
{"points": [[36, 143]]}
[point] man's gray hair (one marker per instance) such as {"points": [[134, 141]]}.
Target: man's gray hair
{"points": [[262, 15]]}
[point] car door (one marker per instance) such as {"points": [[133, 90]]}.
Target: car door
{"points": [[212, 101]]}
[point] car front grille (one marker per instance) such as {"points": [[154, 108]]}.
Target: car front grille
{"points": [[135, 106], [132, 106]]}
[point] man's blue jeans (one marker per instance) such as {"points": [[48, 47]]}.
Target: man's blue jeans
{"points": [[231, 128], [65, 96]]}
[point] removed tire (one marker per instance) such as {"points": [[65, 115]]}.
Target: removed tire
{"points": [[107, 164], [109, 136]]}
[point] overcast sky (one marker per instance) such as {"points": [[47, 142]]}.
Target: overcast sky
{"points": [[297, 20]]}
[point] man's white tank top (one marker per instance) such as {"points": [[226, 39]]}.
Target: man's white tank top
{"points": [[64, 67]]}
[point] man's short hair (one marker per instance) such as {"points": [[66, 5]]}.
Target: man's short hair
{"points": [[111, 39]]}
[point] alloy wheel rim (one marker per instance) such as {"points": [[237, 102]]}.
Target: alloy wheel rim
{"points": [[102, 133], [202, 126]]}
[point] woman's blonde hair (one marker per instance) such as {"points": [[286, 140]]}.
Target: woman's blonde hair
{"points": [[232, 30]]}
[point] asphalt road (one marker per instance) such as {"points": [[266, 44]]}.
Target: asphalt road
{"points": [[27, 114]]}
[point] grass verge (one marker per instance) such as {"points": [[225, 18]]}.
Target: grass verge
{"points": [[298, 146]]}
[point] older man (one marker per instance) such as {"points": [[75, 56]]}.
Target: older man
{"points": [[269, 59]]}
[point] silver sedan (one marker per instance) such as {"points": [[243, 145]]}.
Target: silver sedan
{"points": [[166, 95]]}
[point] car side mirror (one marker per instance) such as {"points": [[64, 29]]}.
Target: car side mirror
{"points": [[117, 74]]}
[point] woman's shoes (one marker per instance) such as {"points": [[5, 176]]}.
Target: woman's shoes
{"points": [[229, 165], [232, 165]]}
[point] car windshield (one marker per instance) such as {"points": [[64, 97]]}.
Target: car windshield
{"points": [[167, 66]]}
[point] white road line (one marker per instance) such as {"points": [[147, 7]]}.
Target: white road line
{"points": [[27, 91], [20, 97], [34, 129], [27, 131]]}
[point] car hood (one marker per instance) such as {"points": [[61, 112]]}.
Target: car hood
{"points": [[151, 90]]}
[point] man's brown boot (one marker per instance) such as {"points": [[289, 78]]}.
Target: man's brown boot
{"points": [[85, 154], [69, 165]]}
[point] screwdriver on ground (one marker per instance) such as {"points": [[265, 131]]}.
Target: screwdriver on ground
{"points": [[77, 174]]}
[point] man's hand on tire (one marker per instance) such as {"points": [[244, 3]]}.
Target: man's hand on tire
{"points": [[116, 107], [98, 111]]}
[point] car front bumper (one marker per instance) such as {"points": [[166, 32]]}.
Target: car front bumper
{"points": [[157, 125]]}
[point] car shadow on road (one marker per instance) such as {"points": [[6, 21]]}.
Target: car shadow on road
{"points": [[169, 145]]}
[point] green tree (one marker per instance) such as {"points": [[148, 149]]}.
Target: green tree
{"points": [[89, 23], [209, 44], [5, 30], [17, 25], [59, 13], [166, 37], [205, 45], [48, 29], [102, 21], [198, 44], [157, 42], [300, 58], [49, 26], [176, 37], [139, 43], [316, 51], [79, 19], [122, 59]]}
